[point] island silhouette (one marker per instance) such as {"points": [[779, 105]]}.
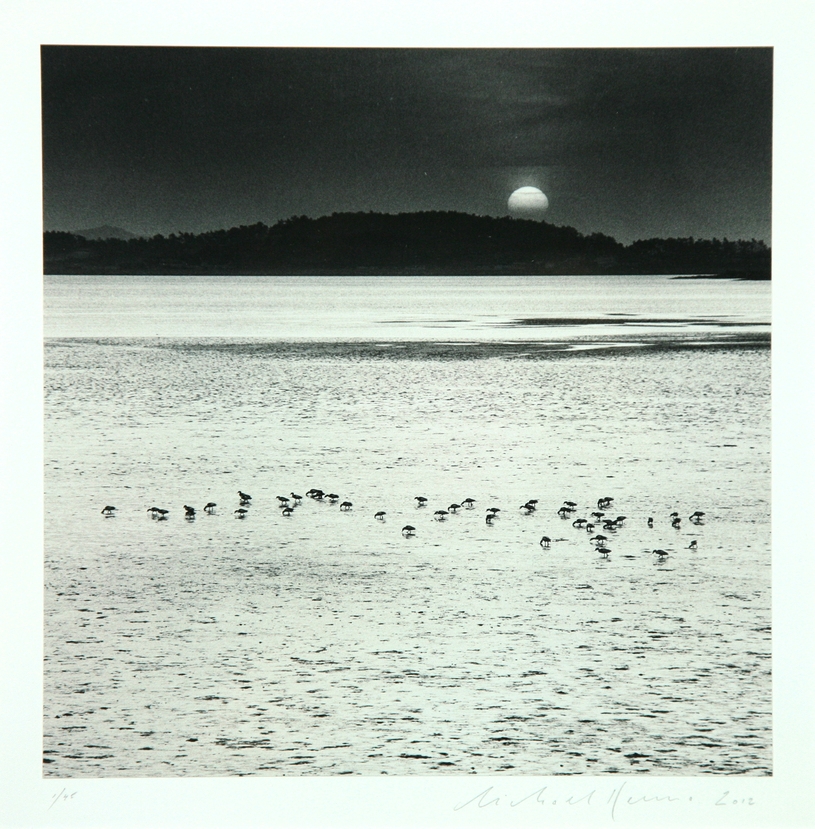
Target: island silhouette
{"points": [[431, 243]]}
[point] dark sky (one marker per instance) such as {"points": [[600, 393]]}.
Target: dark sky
{"points": [[633, 143]]}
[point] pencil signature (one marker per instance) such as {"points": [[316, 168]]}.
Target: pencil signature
{"points": [[614, 800]]}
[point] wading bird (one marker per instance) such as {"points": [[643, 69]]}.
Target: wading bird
{"points": [[408, 530], [545, 541], [210, 507], [189, 512], [380, 515], [108, 510]]}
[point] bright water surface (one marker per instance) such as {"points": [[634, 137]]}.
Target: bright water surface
{"points": [[398, 308], [327, 643]]}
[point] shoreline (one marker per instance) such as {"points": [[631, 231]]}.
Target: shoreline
{"points": [[379, 349]]}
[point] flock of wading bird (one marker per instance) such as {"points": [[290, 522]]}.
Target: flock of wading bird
{"points": [[600, 519]]}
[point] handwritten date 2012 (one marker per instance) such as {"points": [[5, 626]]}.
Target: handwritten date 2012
{"points": [[613, 801], [727, 800]]}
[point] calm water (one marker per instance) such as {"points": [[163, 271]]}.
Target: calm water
{"points": [[400, 308], [326, 642]]}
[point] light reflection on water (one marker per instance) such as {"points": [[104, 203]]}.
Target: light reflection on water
{"points": [[406, 308]]}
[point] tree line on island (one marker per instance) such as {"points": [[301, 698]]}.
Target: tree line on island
{"points": [[424, 243]]}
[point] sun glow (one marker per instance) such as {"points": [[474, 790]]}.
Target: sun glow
{"points": [[528, 202]]}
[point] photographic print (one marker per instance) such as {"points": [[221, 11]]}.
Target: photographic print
{"points": [[407, 411]]}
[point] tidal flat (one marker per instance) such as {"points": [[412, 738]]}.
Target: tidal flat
{"points": [[326, 642]]}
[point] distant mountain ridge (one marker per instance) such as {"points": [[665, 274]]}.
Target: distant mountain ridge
{"points": [[105, 232], [426, 243]]}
